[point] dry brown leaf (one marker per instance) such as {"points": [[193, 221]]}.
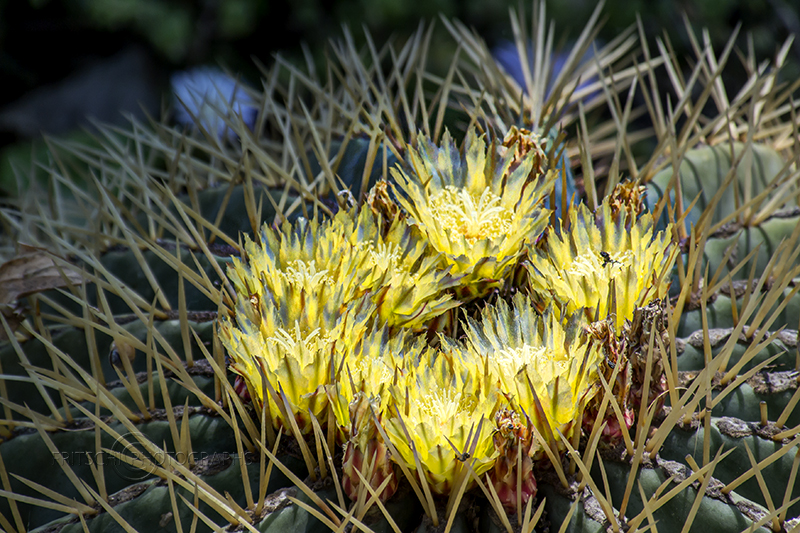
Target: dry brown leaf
{"points": [[33, 271]]}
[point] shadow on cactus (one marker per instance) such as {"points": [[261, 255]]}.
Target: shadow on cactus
{"points": [[361, 311]]}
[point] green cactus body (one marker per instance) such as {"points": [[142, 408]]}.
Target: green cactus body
{"points": [[704, 171]]}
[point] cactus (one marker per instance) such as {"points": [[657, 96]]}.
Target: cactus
{"points": [[127, 405]]}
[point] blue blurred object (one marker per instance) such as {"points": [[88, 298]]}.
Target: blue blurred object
{"points": [[507, 56], [205, 96]]}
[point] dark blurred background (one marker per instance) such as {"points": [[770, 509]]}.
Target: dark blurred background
{"points": [[61, 60]]}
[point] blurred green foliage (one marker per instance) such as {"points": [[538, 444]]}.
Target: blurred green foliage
{"points": [[187, 32], [183, 33]]}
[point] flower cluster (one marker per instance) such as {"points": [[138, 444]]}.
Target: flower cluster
{"points": [[352, 320]]}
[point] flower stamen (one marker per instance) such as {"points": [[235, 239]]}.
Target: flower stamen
{"points": [[473, 216]]}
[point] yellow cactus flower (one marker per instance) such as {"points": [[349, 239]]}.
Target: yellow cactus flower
{"points": [[409, 286], [303, 272], [341, 260], [377, 361], [296, 361], [442, 412], [548, 370], [478, 210], [298, 310], [608, 263]]}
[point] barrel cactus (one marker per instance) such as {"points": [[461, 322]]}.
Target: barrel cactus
{"points": [[400, 301]]}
